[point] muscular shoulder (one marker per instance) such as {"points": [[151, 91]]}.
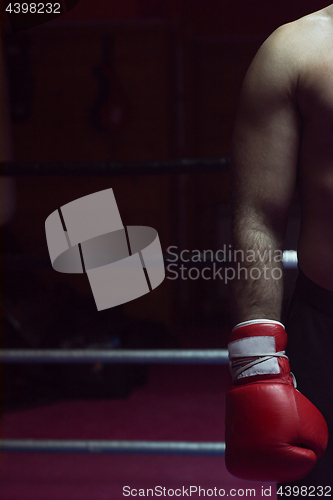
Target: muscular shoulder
{"points": [[288, 52], [305, 37]]}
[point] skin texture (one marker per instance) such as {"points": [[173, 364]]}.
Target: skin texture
{"points": [[283, 142]]}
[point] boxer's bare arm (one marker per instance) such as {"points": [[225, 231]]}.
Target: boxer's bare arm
{"points": [[265, 156]]}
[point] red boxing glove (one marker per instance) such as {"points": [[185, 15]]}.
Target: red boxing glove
{"points": [[273, 432]]}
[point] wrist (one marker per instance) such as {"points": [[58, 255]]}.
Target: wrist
{"points": [[257, 349]]}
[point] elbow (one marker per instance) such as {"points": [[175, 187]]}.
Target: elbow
{"points": [[249, 222]]}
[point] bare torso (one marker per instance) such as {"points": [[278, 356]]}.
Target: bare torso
{"points": [[315, 170]]}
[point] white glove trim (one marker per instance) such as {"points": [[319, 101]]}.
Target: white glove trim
{"points": [[263, 349], [257, 321]]}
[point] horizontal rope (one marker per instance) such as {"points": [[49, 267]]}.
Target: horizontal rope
{"points": [[73, 446], [43, 261], [195, 165], [215, 356]]}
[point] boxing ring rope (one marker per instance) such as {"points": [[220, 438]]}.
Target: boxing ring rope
{"points": [[216, 356], [76, 446], [24, 262], [209, 356], [180, 166]]}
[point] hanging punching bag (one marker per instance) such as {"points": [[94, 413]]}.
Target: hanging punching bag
{"points": [[109, 112]]}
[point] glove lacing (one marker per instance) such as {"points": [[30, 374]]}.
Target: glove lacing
{"points": [[261, 359]]}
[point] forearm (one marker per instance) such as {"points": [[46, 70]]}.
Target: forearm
{"points": [[258, 284]]}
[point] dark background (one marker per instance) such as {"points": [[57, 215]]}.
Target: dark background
{"points": [[173, 83], [174, 76]]}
